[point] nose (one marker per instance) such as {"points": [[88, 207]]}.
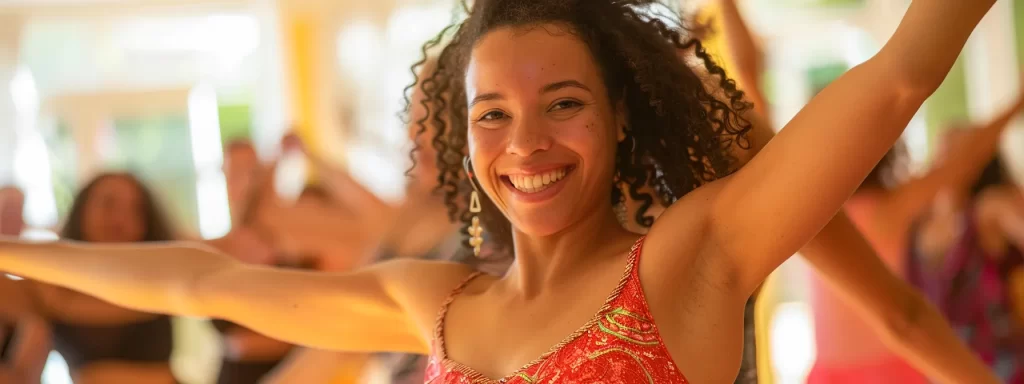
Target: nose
{"points": [[528, 136]]}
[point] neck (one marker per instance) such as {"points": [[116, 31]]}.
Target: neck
{"points": [[544, 261]]}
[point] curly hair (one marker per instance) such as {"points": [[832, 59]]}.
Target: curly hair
{"points": [[158, 228], [644, 64]]}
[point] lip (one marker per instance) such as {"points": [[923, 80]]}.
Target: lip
{"points": [[537, 197]]}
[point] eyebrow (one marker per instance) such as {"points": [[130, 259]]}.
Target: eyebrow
{"points": [[564, 84], [547, 88]]}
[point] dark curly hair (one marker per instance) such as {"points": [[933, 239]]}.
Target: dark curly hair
{"points": [[157, 226], [682, 124]]}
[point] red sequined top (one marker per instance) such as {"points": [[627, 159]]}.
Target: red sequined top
{"points": [[619, 345]]}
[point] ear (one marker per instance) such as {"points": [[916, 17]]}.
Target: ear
{"points": [[621, 120]]}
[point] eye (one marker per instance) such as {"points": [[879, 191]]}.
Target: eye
{"points": [[565, 104], [492, 116]]}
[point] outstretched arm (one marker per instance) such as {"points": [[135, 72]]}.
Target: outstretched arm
{"points": [[805, 174], [388, 307], [963, 164], [908, 323]]}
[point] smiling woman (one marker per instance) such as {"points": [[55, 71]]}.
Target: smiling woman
{"points": [[555, 103]]}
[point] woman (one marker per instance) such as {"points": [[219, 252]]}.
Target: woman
{"points": [[102, 342], [965, 253], [553, 100]]}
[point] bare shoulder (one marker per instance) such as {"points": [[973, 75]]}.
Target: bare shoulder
{"points": [[421, 286]]}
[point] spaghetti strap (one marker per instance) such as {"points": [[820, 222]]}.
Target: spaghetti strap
{"points": [[621, 334], [443, 312], [634, 257]]}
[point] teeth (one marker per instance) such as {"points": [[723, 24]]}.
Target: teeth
{"points": [[536, 183]]}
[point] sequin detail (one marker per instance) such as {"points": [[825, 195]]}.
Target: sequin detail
{"points": [[619, 345]]}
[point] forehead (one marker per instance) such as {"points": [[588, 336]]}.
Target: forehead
{"points": [[528, 58]]}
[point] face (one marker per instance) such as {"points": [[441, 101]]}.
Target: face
{"points": [[114, 212], [12, 203], [542, 130]]}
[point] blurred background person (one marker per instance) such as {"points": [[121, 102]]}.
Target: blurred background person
{"points": [[103, 343], [965, 253]]}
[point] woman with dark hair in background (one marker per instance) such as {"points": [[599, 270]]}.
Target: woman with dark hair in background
{"points": [[103, 343], [552, 103]]}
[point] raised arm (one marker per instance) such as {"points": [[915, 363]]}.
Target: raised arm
{"points": [[962, 165], [388, 307], [805, 174], [339, 183], [908, 323], [746, 58]]}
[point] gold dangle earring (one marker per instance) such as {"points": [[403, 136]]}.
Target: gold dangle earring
{"points": [[475, 231]]}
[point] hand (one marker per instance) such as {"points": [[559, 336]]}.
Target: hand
{"points": [[292, 141]]}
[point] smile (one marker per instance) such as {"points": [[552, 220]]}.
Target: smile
{"points": [[538, 182]]}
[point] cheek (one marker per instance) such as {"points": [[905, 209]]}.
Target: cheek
{"points": [[485, 147], [486, 141], [591, 139]]}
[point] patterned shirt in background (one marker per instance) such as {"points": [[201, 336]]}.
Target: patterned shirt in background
{"points": [[971, 289]]}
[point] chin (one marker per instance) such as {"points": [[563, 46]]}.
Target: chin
{"points": [[540, 223]]}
